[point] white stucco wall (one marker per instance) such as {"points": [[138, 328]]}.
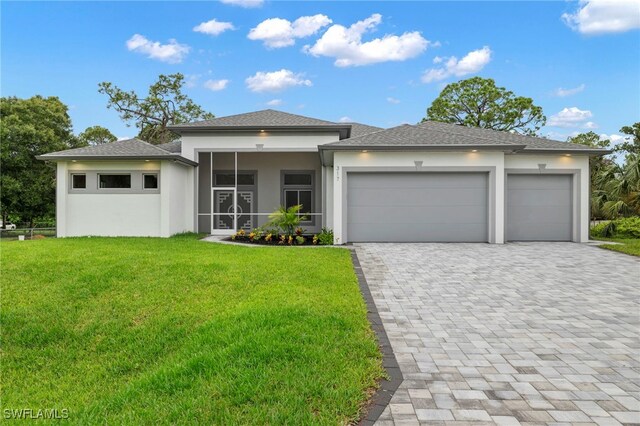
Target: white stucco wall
{"points": [[177, 204], [496, 161], [247, 141], [127, 214]]}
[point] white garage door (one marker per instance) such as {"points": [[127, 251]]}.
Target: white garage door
{"points": [[417, 207], [539, 207]]}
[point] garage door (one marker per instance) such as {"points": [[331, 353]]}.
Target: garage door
{"points": [[539, 208], [417, 207]]}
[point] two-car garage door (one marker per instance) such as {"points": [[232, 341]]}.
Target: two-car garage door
{"points": [[417, 207], [454, 207]]}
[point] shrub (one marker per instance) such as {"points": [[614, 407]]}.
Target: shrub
{"points": [[628, 227], [287, 220], [325, 237]]}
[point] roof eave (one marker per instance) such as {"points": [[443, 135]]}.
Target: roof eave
{"points": [[414, 147], [586, 151], [177, 158], [344, 130]]}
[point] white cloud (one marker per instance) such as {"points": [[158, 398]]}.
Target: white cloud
{"points": [[560, 92], [393, 100], [213, 27], [572, 117], [216, 85], [275, 81], [172, 52], [471, 63], [590, 125], [615, 138], [345, 119], [274, 102], [278, 32], [345, 44], [604, 16], [247, 4]]}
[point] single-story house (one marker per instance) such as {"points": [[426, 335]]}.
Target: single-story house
{"points": [[428, 182]]}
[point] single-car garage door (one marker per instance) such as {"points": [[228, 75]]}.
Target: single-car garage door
{"points": [[539, 207], [417, 207]]}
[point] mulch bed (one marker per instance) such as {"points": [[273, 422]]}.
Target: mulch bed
{"points": [[308, 241]]}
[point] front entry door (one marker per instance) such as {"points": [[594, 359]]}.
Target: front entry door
{"points": [[223, 206]]}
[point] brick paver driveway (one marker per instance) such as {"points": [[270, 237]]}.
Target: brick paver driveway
{"points": [[508, 334]]}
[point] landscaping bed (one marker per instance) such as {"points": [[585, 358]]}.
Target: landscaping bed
{"points": [[625, 232], [166, 331]]}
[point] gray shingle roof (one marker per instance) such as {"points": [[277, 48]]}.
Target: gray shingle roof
{"points": [[265, 118], [410, 135], [174, 147], [359, 129], [436, 134], [122, 150], [531, 142]]}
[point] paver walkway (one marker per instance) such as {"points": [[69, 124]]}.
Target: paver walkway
{"points": [[526, 333]]}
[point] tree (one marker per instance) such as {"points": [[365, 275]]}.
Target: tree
{"points": [[597, 165], [31, 127], [617, 186], [478, 102], [96, 135], [632, 144], [165, 104]]}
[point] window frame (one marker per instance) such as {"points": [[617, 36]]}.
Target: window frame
{"points": [[73, 187], [157, 175], [298, 187], [215, 174], [129, 188]]}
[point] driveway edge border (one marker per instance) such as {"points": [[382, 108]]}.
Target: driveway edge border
{"points": [[388, 387]]}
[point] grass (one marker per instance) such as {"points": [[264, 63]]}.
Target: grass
{"points": [[628, 246], [145, 330]]}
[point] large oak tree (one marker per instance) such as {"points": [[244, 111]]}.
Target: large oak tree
{"points": [[478, 102], [164, 104]]}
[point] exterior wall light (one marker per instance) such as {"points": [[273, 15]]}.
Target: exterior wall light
{"points": [[474, 150], [364, 150], [418, 164], [259, 146], [567, 155]]}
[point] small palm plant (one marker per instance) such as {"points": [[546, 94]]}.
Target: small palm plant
{"points": [[287, 219]]}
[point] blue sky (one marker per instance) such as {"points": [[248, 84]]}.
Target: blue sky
{"points": [[579, 61]]}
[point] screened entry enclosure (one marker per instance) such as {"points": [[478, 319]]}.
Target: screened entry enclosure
{"points": [[240, 190]]}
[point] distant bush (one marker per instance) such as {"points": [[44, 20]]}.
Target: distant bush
{"points": [[628, 227]]}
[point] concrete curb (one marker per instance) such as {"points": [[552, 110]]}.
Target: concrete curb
{"points": [[388, 387]]}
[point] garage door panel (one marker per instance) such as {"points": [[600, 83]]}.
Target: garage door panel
{"points": [[410, 180], [539, 207], [413, 207], [417, 214], [413, 197], [457, 233], [537, 197]]}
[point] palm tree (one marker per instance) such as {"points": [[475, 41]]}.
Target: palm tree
{"points": [[619, 193]]}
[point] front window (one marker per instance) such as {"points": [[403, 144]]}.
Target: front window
{"points": [[298, 189], [114, 181], [228, 179], [79, 181], [150, 181]]}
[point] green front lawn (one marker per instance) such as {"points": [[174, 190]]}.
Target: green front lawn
{"points": [[628, 246], [147, 330]]}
